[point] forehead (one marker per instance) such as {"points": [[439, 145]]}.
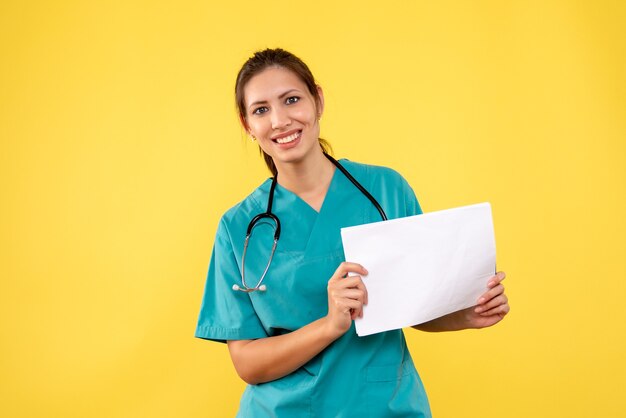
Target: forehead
{"points": [[271, 83]]}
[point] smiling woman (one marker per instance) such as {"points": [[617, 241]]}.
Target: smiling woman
{"points": [[291, 337]]}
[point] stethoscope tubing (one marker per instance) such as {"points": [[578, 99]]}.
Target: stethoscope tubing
{"points": [[358, 185], [269, 215]]}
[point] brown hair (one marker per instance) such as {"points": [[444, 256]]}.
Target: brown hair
{"points": [[277, 57]]}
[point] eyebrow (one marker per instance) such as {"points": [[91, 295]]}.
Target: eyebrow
{"points": [[265, 101]]}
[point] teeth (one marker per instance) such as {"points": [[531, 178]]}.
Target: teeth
{"points": [[288, 139]]}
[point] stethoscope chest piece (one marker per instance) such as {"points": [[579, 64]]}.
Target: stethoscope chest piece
{"points": [[276, 225]]}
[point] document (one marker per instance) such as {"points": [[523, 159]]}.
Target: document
{"points": [[422, 267]]}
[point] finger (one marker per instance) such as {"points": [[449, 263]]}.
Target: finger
{"points": [[356, 313], [351, 281], [498, 310], [499, 276], [351, 293], [345, 305], [487, 296], [356, 283], [360, 313], [361, 286], [339, 285], [499, 300], [346, 267]]}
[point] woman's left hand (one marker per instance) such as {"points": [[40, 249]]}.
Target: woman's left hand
{"points": [[492, 306]]}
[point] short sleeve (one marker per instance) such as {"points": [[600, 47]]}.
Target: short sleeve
{"points": [[226, 314], [411, 203]]}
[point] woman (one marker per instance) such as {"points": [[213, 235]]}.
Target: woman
{"points": [[294, 342]]}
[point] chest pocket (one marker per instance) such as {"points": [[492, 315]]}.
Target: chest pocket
{"points": [[296, 292], [312, 277]]}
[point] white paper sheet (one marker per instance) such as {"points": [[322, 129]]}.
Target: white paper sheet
{"points": [[422, 267]]}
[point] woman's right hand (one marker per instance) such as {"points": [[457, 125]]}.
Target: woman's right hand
{"points": [[277, 356], [346, 297]]}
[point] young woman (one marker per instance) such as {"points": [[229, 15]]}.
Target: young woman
{"points": [[288, 315]]}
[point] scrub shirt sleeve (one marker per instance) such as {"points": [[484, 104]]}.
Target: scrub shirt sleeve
{"points": [[410, 200], [226, 314]]}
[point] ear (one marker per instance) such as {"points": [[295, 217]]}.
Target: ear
{"points": [[244, 124], [320, 105]]}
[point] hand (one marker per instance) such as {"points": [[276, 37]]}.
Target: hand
{"points": [[346, 297], [492, 306]]}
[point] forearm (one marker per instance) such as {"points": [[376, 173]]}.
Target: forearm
{"points": [[271, 358], [454, 321]]}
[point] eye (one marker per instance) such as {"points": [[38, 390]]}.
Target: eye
{"points": [[292, 99], [259, 110]]}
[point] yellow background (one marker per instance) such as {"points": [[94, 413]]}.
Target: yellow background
{"points": [[121, 150]]}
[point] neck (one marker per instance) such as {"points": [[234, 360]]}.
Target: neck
{"points": [[307, 176]]}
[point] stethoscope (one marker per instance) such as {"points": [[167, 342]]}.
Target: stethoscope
{"points": [[269, 215]]}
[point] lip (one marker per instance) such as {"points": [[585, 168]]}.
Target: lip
{"points": [[291, 144], [285, 134]]}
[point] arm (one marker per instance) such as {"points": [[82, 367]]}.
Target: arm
{"points": [[265, 359], [492, 307], [271, 358]]}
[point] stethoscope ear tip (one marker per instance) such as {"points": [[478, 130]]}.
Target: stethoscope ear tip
{"points": [[236, 287], [262, 288]]}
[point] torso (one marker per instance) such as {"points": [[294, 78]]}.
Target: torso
{"points": [[354, 376]]}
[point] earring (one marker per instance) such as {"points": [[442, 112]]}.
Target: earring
{"points": [[252, 137]]}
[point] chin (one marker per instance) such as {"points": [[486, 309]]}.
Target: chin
{"points": [[294, 156]]}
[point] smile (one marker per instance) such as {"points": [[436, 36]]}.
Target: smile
{"points": [[288, 139]]}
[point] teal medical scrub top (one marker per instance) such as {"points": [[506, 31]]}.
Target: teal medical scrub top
{"points": [[371, 376]]}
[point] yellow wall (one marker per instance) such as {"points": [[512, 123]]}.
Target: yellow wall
{"points": [[121, 149]]}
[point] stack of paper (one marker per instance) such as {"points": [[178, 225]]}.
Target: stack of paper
{"points": [[422, 267]]}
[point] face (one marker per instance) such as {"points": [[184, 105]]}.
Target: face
{"points": [[282, 115]]}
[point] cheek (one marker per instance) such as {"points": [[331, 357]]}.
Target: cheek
{"points": [[306, 115], [257, 127]]}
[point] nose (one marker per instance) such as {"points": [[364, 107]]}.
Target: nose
{"points": [[280, 118]]}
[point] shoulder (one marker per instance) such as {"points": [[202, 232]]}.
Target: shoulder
{"points": [[386, 185], [244, 210], [374, 174]]}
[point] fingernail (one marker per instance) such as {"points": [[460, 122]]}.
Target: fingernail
{"points": [[481, 300], [491, 283], [477, 310]]}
